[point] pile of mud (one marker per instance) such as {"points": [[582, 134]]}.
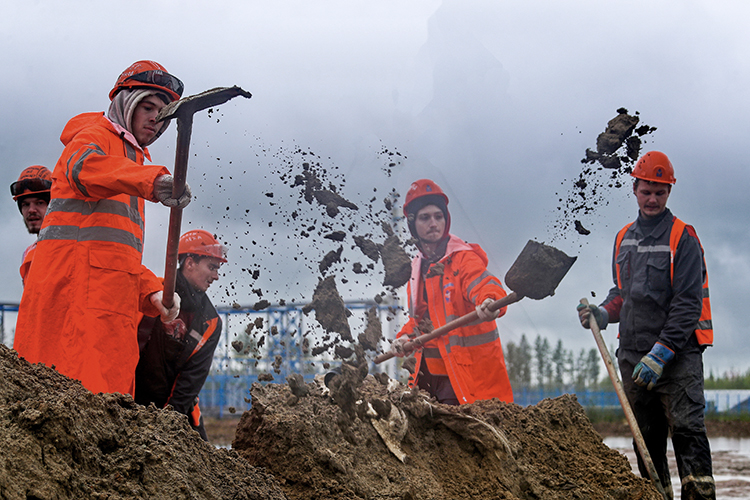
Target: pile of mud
{"points": [[60, 441], [385, 441]]}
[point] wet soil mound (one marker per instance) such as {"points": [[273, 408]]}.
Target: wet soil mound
{"points": [[60, 441], [401, 445]]}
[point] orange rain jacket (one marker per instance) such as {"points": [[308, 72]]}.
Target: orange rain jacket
{"points": [[471, 356], [86, 284], [28, 256]]}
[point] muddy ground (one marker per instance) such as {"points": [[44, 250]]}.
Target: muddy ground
{"points": [[398, 444], [60, 441]]}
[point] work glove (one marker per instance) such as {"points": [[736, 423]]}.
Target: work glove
{"points": [[398, 347], [600, 315], [651, 366], [163, 192], [484, 312], [167, 315]]}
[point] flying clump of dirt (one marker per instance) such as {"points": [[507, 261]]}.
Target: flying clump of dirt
{"points": [[330, 310], [605, 170], [380, 439], [397, 263], [373, 333], [314, 190]]}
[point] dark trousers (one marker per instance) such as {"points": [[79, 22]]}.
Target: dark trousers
{"points": [[674, 406], [437, 385]]}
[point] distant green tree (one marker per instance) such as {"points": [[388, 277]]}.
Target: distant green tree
{"points": [[558, 360], [593, 366], [543, 367]]}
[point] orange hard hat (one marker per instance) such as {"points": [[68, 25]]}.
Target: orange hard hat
{"points": [[148, 74], [200, 242], [422, 193], [35, 179], [654, 166]]}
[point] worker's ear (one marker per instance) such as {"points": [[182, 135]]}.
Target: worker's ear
{"points": [[189, 262]]}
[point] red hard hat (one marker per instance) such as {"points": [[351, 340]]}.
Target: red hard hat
{"points": [[420, 188], [654, 166], [35, 179], [149, 74], [200, 242]]}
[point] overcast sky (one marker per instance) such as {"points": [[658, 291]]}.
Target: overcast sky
{"points": [[495, 101]]}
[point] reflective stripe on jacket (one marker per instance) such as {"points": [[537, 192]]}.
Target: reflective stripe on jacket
{"points": [[83, 293], [705, 330], [661, 286], [472, 356]]}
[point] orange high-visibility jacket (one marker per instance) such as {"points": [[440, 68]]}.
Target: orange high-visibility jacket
{"points": [[472, 355], [28, 256], [86, 284]]}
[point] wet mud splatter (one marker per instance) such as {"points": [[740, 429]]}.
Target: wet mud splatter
{"points": [[605, 171], [329, 308]]}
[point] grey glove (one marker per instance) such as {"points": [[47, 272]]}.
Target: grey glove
{"points": [[483, 311], [163, 186], [398, 347], [167, 315], [600, 315]]}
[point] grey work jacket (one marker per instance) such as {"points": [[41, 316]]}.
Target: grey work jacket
{"points": [[655, 307]]}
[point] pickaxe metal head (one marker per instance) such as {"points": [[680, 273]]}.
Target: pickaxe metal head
{"points": [[187, 106]]}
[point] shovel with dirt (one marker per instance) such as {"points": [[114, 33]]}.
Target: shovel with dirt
{"points": [[537, 271]]}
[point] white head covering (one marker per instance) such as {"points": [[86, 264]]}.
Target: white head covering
{"points": [[123, 106]]}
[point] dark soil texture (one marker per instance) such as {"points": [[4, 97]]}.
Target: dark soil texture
{"points": [[60, 441], [401, 445]]}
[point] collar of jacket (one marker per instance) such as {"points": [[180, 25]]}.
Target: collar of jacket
{"points": [[127, 136], [455, 244], [190, 298], [654, 227]]}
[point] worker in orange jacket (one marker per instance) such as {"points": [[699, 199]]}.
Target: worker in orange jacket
{"points": [[86, 287], [449, 279], [31, 192]]}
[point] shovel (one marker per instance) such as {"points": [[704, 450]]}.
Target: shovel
{"points": [[537, 271], [183, 110], [629, 416]]}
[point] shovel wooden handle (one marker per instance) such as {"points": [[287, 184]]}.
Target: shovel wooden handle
{"points": [[629, 415], [451, 325]]}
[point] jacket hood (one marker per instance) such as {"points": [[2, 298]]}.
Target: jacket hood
{"points": [[96, 119]]}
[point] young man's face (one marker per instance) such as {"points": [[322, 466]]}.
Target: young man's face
{"points": [[33, 210], [652, 197], [143, 123], [202, 273], [430, 224]]}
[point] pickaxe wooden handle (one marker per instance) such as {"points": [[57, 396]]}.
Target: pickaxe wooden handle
{"points": [[451, 325], [183, 110]]}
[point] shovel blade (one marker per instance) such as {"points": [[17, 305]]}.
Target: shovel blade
{"points": [[189, 105], [538, 270]]}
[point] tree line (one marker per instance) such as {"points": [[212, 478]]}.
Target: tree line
{"points": [[539, 367], [542, 367]]}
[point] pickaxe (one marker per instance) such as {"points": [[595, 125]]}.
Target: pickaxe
{"points": [[183, 110]]}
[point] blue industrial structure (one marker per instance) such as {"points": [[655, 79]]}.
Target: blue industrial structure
{"points": [[239, 359]]}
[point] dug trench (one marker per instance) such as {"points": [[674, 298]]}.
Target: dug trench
{"points": [[367, 437]]}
